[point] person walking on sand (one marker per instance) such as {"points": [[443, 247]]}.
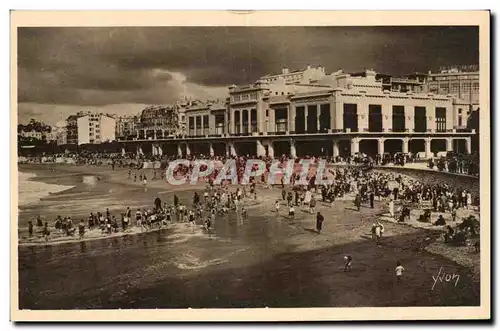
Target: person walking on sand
{"points": [[30, 228], [319, 222], [399, 272], [277, 207]]}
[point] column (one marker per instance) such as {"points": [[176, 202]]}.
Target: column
{"points": [[305, 117], [363, 111], [153, 149], [123, 151], [241, 121], [431, 124], [202, 133], [261, 151], [270, 149], [405, 145], [354, 145], [291, 118], [145, 136], [318, 113], [137, 131], [293, 150], [332, 116], [188, 151], [468, 145], [226, 123], [339, 115], [179, 150], [163, 133], [154, 134], [232, 127], [386, 117], [212, 153], [159, 150], [335, 152], [449, 144], [381, 146], [428, 153], [271, 126], [410, 118], [249, 124], [139, 150], [211, 125]]}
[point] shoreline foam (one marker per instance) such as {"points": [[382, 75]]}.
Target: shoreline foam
{"points": [[32, 190]]}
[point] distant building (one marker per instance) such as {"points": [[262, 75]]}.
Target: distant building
{"points": [[302, 76], [34, 130], [409, 83], [158, 122], [308, 112], [459, 81], [126, 126], [90, 128]]}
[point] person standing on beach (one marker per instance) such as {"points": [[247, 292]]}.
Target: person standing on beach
{"points": [[399, 272], [319, 222], [30, 229]]}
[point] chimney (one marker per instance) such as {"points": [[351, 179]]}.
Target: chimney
{"points": [[284, 71]]}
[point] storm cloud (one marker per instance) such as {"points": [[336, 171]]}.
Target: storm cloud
{"points": [[99, 67]]}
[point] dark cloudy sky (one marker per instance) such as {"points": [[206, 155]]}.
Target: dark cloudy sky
{"points": [[121, 70]]}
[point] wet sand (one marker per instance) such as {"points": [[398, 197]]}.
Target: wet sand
{"points": [[262, 261]]}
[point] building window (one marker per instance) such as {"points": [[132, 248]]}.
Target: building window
{"points": [[191, 126], [253, 120], [206, 125], [300, 126], [444, 88], [281, 119], [375, 118], [237, 121], [420, 119], [312, 118], [351, 116], [440, 119], [455, 87], [398, 119], [466, 87], [324, 118], [460, 110], [244, 115], [475, 86], [459, 121]]}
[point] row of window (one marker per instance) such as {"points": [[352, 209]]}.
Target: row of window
{"points": [[454, 77], [198, 121], [244, 97]]}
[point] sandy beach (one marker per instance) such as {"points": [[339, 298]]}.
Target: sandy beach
{"points": [[242, 261]]}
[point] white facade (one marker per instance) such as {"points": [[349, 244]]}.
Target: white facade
{"points": [[305, 76], [95, 129]]}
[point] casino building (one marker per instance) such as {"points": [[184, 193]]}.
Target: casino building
{"points": [[309, 112]]}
